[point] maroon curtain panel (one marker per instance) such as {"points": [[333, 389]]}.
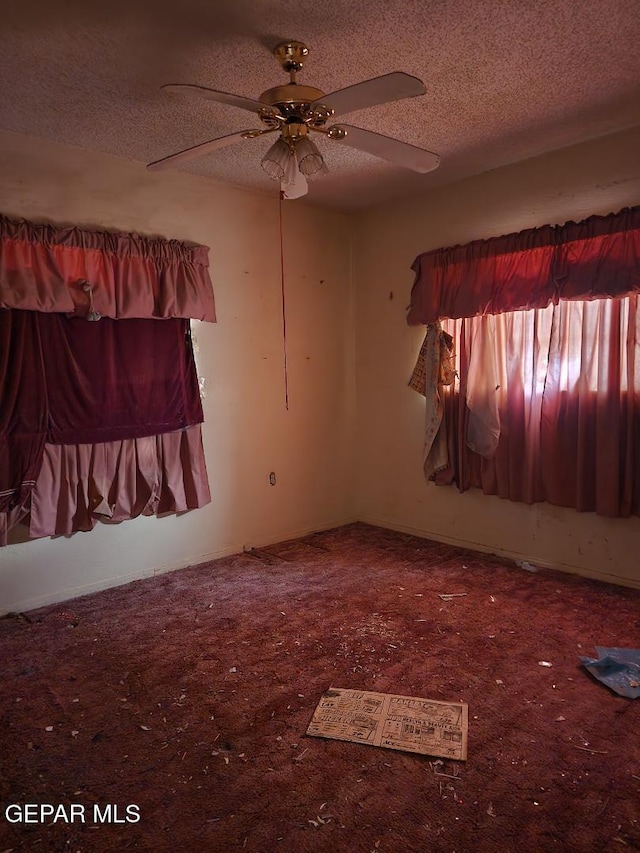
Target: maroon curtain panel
{"points": [[117, 379], [562, 468], [598, 257], [69, 381], [23, 416]]}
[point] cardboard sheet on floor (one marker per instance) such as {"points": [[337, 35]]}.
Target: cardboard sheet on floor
{"points": [[408, 723]]}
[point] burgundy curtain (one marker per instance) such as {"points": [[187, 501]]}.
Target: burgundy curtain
{"points": [[592, 259], [116, 379], [82, 484], [546, 325], [98, 419], [23, 418], [69, 381], [565, 390]]}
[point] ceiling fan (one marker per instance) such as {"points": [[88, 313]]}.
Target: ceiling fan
{"points": [[295, 111]]}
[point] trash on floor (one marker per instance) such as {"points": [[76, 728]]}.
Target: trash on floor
{"points": [[449, 596], [619, 669], [437, 768], [527, 566], [426, 726]]}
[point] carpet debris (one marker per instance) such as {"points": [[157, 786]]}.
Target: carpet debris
{"points": [[345, 615], [528, 567]]}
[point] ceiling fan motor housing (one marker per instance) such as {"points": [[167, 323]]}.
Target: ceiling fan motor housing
{"points": [[291, 95]]}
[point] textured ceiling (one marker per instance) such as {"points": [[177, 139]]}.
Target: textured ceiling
{"points": [[506, 79]]}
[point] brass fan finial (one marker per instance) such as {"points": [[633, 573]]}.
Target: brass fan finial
{"points": [[291, 55]]}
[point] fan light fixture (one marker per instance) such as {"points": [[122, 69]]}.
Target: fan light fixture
{"points": [[276, 159], [292, 159], [309, 158], [294, 183]]}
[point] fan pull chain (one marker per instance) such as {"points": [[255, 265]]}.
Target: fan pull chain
{"points": [[284, 313]]}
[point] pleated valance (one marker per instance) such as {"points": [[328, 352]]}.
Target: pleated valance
{"points": [[122, 276], [592, 259]]}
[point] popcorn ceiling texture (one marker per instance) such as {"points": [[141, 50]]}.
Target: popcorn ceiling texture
{"points": [[506, 79]]}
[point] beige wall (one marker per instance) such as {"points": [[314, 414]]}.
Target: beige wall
{"points": [[247, 432], [318, 448], [598, 177]]}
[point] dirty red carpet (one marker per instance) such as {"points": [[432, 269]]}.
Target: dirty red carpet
{"points": [[187, 697]]}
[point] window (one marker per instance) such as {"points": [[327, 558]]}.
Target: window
{"points": [[99, 407], [546, 405]]}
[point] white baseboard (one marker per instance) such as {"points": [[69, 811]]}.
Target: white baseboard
{"points": [[618, 580], [68, 594]]}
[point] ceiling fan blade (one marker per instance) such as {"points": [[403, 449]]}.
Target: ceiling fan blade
{"points": [[400, 153], [200, 150], [221, 97], [377, 90]]}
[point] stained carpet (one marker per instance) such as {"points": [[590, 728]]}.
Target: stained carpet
{"points": [[187, 696]]}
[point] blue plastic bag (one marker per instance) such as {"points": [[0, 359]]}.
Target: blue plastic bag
{"points": [[619, 669]]}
